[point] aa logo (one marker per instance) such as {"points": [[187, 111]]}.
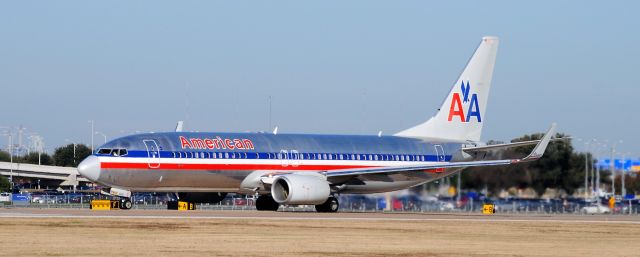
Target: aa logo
{"points": [[458, 109]]}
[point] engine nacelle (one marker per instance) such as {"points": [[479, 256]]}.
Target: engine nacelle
{"points": [[300, 189], [202, 197]]}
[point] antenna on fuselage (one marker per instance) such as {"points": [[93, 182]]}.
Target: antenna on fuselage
{"points": [[380, 133], [275, 130], [179, 126]]}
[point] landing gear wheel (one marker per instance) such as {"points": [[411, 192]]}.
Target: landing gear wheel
{"points": [[266, 203], [331, 205], [125, 204]]}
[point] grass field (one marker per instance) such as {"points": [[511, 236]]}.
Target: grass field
{"points": [[300, 237]]}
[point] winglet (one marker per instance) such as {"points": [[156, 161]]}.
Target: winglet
{"points": [[538, 151]]}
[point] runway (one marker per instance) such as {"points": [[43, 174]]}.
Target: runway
{"points": [[73, 232], [290, 215]]}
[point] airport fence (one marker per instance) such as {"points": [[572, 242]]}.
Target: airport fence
{"points": [[347, 204]]}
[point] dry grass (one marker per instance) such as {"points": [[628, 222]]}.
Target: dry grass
{"points": [[255, 237]]}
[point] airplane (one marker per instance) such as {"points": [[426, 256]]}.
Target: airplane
{"points": [[309, 169]]}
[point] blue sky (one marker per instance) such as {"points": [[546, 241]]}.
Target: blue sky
{"points": [[352, 67]]}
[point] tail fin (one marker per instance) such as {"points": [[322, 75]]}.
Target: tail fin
{"points": [[463, 111]]}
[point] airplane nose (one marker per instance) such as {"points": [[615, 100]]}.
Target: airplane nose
{"points": [[90, 168]]}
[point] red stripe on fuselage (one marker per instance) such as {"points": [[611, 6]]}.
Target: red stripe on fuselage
{"points": [[192, 166]]}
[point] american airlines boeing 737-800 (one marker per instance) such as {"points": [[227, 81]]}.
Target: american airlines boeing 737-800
{"points": [[300, 169]]}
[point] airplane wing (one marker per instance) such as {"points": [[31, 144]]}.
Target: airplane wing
{"points": [[486, 148], [537, 152]]}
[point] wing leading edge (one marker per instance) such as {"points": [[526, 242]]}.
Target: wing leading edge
{"points": [[535, 154]]}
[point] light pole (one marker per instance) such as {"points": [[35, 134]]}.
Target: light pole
{"points": [[612, 166], [601, 150], [593, 175], [74, 150], [587, 154], [623, 190], [92, 133], [103, 135], [11, 161]]}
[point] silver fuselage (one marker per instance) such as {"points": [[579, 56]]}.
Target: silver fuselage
{"points": [[234, 162]]}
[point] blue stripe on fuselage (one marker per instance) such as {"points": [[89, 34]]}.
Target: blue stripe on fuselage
{"points": [[289, 156], [265, 144]]}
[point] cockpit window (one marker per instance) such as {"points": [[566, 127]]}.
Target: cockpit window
{"points": [[113, 152]]}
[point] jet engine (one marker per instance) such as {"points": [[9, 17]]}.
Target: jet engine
{"points": [[300, 189], [205, 197]]}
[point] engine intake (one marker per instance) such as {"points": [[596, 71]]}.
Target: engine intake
{"points": [[300, 189]]}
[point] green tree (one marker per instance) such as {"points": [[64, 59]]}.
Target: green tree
{"points": [[560, 167], [32, 158], [64, 155], [4, 156], [5, 185]]}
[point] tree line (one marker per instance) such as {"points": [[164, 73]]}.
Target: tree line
{"points": [[561, 167], [62, 156]]}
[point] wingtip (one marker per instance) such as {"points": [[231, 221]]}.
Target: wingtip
{"points": [[541, 147]]}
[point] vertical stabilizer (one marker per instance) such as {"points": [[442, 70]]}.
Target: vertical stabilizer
{"points": [[462, 113]]}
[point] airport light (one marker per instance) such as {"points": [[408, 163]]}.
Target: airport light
{"points": [[92, 133], [103, 135], [588, 145], [601, 150], [8, 133], [623, 190], [612, 166], [74, 150], [11, 162]]}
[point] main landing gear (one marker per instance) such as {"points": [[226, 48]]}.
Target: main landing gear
{"points": [[331, 205], [266, 203], [125, 203]]}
